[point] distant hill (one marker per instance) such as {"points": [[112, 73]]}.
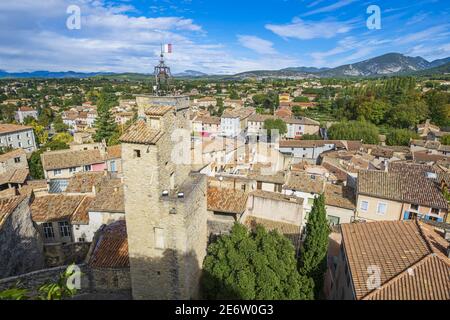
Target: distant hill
{"points": [[442, 69], [190, 74], [384, 65], [49, 74]]}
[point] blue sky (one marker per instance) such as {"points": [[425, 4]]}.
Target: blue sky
{"points": [[215, 36]]}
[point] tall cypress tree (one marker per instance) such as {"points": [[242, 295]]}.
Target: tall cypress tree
{"points": [[313, 259], [105, 124]]}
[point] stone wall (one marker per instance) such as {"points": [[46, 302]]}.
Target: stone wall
{"points": [[21, 247], [33, 280], [109, 280], [93, 281]]}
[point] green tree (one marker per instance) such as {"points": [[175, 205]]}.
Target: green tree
{"points": [[301, 99], [104, 124], [373, 111], [311, 137], [407, 115], [63, 137], [297, 111], [313, 259], [445, 140], [275, 124], [400, 137], [59, 125], [354, 130], [253, 265]]}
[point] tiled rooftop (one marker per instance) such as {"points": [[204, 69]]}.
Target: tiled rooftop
{"points": [[405, 256], [227, 200], [304, 182], [70, 158], [54, 207], [405, 182], [141, 133], [111, 250], [110, 197]]}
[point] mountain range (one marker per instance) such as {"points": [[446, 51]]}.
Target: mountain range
{"points": [[384, 65]]}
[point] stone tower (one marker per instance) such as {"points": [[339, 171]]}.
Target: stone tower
{"points": [[165, 204]]}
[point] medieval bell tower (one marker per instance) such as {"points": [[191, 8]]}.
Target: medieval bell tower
{"points": [[165, 203]]}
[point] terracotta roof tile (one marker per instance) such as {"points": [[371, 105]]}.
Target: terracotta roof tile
{"points": [[62, 159], [54, 207], [304, 182], [8, 128], [158, 110], [81, 214], [14, 176], [141, 133], [83, 182], [227, 200], [111, 250], [339, 196], [110, 197], [409, 267], [12, 154], [406, 182]]}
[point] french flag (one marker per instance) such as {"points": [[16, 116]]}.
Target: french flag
{"points": [[168, 48]]}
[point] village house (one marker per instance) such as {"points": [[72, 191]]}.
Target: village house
{"points": [[429, 147], [404, 191], [275, 211], [256, 124], [16, 136], [25, 112], [340, 204], [233, 103], [305, 186], [59, 166], [297, 127], [427, 129], [103, 208], [52, 216], [376, 263], [13, 169], [122, 118], [206, 102], [206, 126], [234, 122], [310, 150]]}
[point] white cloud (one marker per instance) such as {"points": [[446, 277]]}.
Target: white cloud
{"points": [[329, 8], [348, 50], [436, 32], [305, 30], [257, 44]]}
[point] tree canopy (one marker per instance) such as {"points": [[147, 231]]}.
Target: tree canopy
{"points": [[354, 130], [253, 265], [400, 137], [275, 124]]}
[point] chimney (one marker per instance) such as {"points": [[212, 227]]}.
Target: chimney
{"points": [[386, 165]]}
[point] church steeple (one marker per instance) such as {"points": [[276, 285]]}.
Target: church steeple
{"points": [[162, 76]]}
